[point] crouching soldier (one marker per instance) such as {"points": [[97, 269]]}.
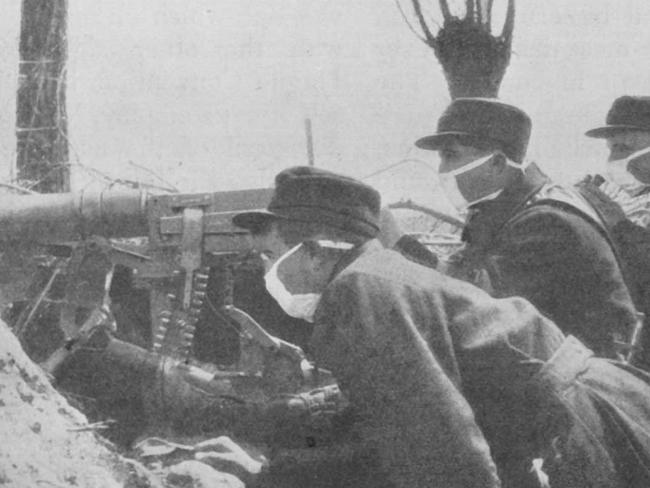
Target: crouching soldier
{"points": [[454, 388]]}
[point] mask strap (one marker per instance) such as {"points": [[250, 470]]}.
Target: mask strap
{"points": [[276, 264], [468, 167], [478, 162], [344, 246], [640, 152], [491, 196], [520, 166]]}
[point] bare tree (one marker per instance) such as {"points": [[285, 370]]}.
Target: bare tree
{"points": [[473, 59]]}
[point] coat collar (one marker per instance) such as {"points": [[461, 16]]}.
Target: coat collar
{"points": [[373, 245], [349, 257], [485, 219]]}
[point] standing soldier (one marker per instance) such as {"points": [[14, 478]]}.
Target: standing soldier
{"points": [[525, 235], [627, 133], [622, 198]]}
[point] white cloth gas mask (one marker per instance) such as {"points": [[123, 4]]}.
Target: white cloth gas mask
{"points": [[449, 182], [300, 305], [617, 172]]}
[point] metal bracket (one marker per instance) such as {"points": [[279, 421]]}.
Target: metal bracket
{"points": [[191, 249]]}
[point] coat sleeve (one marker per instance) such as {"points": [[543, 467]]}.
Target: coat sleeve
{"points": [[565, 267], [414, 414]]}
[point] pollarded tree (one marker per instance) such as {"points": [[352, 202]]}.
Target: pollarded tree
{"points": [[473, 59]]}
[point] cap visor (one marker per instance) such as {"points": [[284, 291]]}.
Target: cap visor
{"points": [[254, 219], [612, 130], [436, 141]]}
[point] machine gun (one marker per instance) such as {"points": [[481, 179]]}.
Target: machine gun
{"points": [[176, 258], [180, 238]]}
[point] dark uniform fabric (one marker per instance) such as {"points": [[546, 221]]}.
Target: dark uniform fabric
{"points": [[425, 359], [554, 258], [632, 244], [604, 438]]}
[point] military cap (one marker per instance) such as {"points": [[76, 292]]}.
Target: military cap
{"points": [[627, 113], [486, 120], [309, 194]]}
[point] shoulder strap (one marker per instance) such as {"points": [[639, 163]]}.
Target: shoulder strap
{"points": [[569, 208]]}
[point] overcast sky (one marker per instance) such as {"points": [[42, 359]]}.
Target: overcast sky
{"points": [[212, 94]]}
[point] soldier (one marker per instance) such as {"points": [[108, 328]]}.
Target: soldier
{"points": [[453, 388], [525, 235], [623, 199], [627, 132]]}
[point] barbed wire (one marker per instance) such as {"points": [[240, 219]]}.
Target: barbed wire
{"points": [[398, 163]]}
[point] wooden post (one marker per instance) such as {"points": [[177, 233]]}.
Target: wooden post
{"points": [[310, 142], [41, 125]]}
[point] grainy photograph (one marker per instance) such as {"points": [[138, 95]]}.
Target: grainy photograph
{"points": [[325, 243]]}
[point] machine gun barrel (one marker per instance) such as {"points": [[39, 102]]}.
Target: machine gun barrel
{"points": [[165, 219], [70, 216]]}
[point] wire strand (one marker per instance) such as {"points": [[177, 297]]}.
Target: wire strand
{"points": [[398, 163]]}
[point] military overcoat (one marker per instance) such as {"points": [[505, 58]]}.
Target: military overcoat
{"points": [[458, 389], [516, 245]]}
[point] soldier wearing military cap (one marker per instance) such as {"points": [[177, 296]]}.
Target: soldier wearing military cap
{"points": [[622, 196], [525, 235], [627, 176], [450, 386]]}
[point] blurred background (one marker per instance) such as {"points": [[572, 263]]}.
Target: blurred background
{"points": [[205, 95]]}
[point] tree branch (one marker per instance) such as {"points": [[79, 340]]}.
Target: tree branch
{"points": [[480, 15], [489, 13], [430, 39], [19, 188], [484, 12], [509, 24], [470, 10], [444, 8], [408, 23]]}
